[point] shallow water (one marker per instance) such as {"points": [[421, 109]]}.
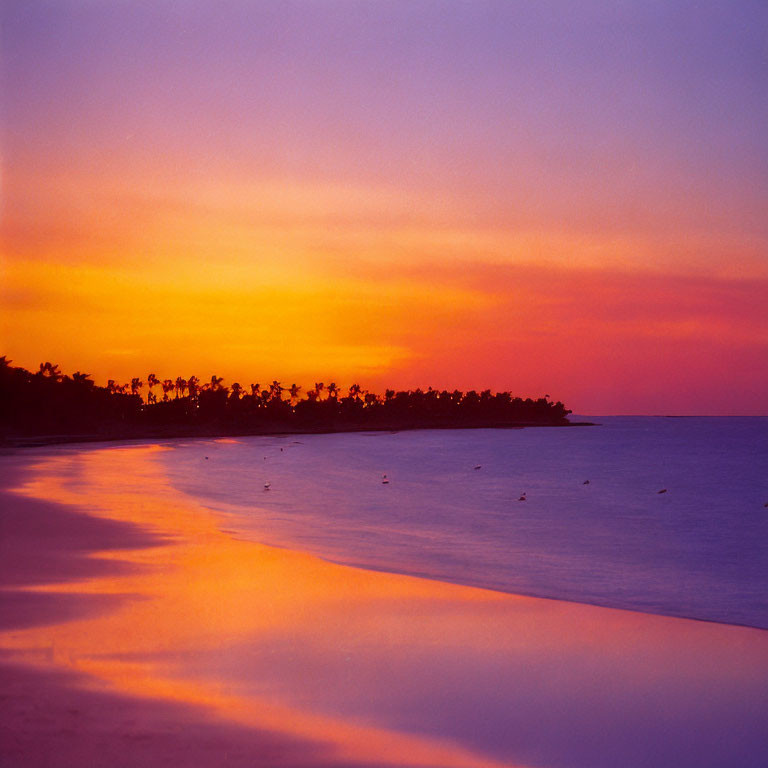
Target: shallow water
{"points": [[699, 550], [341, 666]]}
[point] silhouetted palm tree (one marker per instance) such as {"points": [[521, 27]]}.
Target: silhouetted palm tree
{"points": [[152, 381], [50, 371], [275, 391], [76, 401], [418, 406], [83, 379]]}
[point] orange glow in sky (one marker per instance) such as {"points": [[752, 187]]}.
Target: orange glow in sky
{"points": [[391, 195]]}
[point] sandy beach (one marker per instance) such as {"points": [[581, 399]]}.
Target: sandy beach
{"points": [[300, 301], [138, 630]]}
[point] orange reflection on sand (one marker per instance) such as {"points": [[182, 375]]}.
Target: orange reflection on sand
{"points": [[205, 591], [382, 668]]}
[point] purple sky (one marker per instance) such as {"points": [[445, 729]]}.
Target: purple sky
{"points": [[592, 136]]}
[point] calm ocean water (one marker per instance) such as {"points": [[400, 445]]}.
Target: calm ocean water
{"points": [[699, 550]]}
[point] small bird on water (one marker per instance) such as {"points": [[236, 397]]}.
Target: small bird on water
{"points": [[663, 490], [479, 466], [384, 480], [586, 482], [522, 498], [267, 486]]}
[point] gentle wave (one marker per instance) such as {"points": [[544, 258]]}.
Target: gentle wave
{"points": [[698, 550]]}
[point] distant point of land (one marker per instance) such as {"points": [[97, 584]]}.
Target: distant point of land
{"points": [[47, 406]]}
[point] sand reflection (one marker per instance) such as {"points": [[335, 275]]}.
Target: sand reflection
{"points": [[382, 668]]}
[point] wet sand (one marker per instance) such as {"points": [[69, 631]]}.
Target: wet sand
{"points": [[137, 631]]}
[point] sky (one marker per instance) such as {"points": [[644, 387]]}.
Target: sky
{"points": [[546, 197]]}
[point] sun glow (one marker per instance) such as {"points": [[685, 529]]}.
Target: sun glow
{"points": [[468, 220]]}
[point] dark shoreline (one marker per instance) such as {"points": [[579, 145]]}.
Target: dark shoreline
{"points": [[37, 441]]}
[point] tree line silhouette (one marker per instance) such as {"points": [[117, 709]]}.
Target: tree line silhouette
{"points": [[48, 402]]}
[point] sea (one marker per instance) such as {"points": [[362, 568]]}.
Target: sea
{"points": [[663, 515]]}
